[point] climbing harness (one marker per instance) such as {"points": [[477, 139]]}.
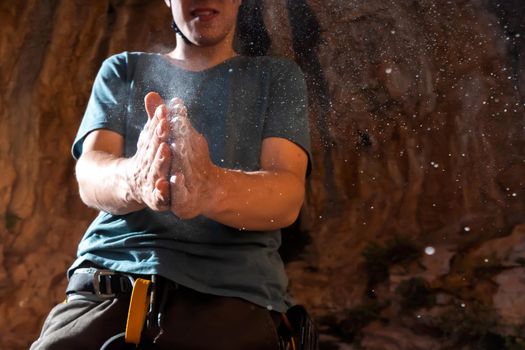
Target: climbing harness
{"points": [[148, 297], [145, 306]]}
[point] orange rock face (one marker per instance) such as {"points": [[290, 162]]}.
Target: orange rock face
{"points": [[417, 115]]}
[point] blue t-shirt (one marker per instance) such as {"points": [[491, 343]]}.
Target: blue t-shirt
{"points": [[235, 105]]}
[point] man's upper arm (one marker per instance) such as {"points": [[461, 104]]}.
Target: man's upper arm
{"points": [[104, 140], [280, 154], [107, 107], [286, 132]]}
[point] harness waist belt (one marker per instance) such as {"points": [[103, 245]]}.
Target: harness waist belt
{"points": [[99, 282]]}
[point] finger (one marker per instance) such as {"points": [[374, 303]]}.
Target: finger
{"points": [[163, 186], [163, 169], [160, 167], [177, 181], [176, 101], [149, 130], [161, 124], [177, 111], [158, 178], [152, 100], [182, 161], [157, 133], [158, 164], [178, 151], [179, 193], [175, 168], [179, 127], [162, 194], [177, 106]]}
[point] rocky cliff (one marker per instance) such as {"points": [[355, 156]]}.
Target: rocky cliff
{"points": [[414, 218]]}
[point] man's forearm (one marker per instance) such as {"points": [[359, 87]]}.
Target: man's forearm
{"points": [[103, 184], [262, 200]]}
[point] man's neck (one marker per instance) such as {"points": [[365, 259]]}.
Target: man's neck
{"points": [[197, 58]]}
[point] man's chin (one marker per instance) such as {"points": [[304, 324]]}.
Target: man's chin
{"points": [[207, 39], [205, 42]]}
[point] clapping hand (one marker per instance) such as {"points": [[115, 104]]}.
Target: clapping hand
{"points": [[148, 169], [192, 172]]}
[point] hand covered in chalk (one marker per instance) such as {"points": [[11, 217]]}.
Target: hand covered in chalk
{"points": [[148, 169], [192, 171]]}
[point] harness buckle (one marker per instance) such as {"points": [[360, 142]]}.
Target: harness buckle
{"points": [[97, 278]]}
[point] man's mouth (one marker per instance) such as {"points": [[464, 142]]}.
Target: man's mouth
{"points": [[204, 14]]}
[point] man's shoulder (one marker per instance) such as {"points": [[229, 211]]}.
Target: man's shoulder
{"points": [[127, 57], [124, 65]]}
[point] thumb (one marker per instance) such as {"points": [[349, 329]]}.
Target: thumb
{"points": [[179, 192], [152, 100]]}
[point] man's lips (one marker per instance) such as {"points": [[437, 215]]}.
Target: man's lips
{"points": [[204, 14]]}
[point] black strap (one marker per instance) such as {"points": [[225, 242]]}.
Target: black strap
{"points": [[304, 328]]}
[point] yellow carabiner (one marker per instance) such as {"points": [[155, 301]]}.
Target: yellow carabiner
{"points": [[138, 308]]}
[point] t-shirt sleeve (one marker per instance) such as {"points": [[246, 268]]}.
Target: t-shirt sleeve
{"points": [[107, 106], [287, 115]]}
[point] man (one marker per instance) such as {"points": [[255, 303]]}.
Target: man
{"points": [[193, 185]]}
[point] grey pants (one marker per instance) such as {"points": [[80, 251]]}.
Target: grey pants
{"points": [[192, 321]]}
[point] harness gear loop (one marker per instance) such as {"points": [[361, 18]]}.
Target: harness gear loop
{"points": [[138, 307], [291, 341]]}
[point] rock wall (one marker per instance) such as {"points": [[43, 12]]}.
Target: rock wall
{"points": [[417, 188]]}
